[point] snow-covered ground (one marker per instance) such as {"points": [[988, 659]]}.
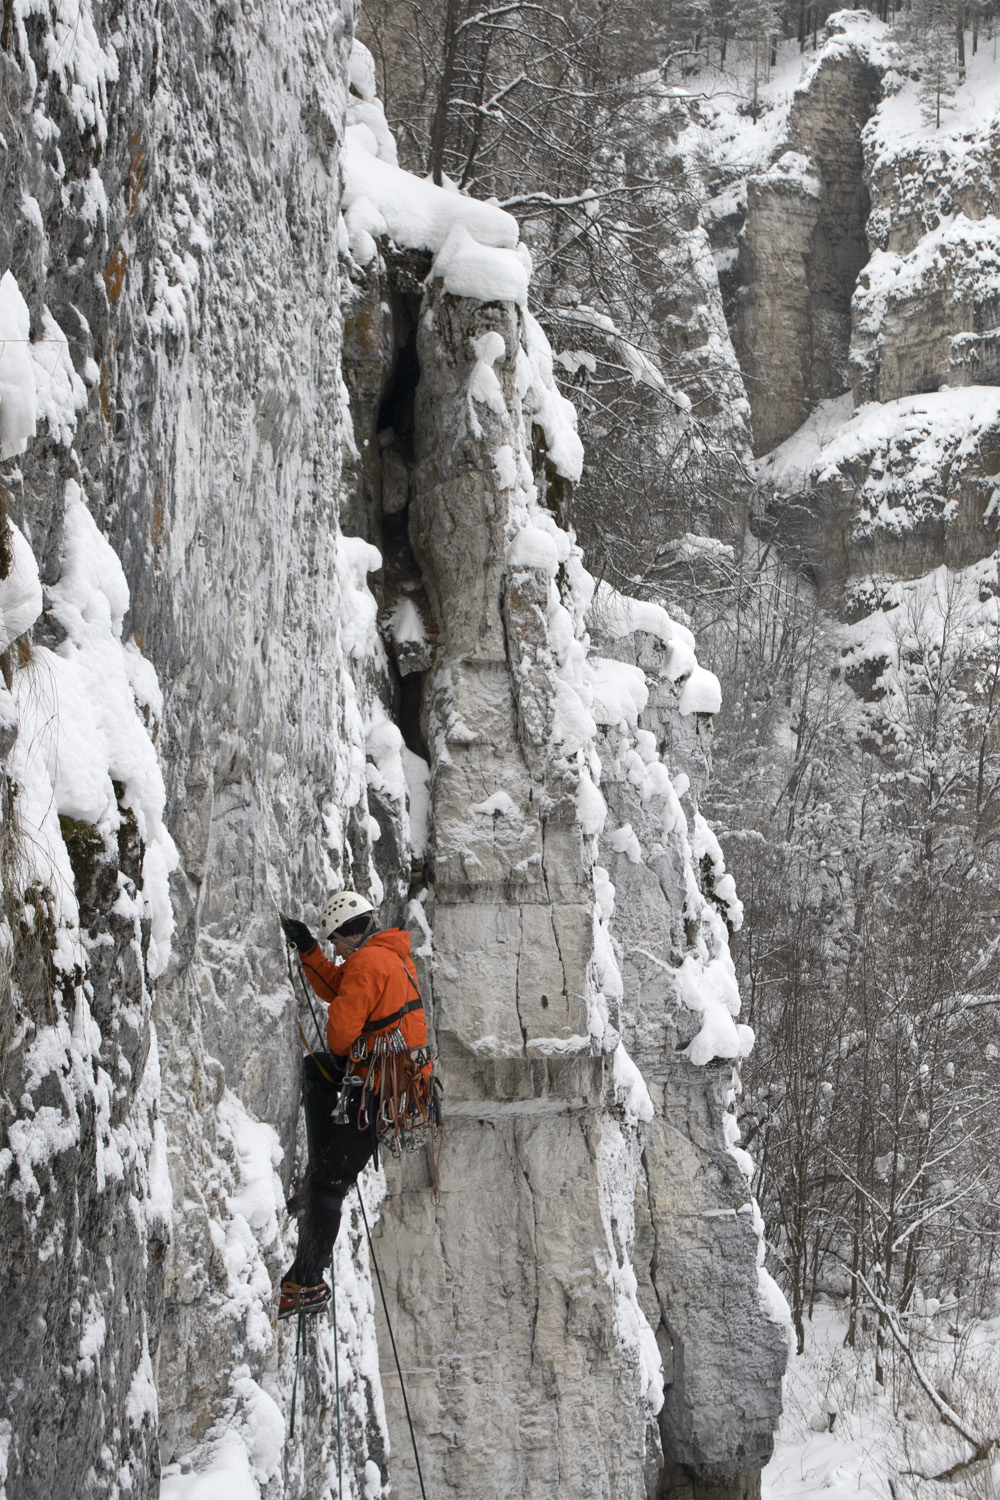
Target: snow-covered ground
{"points": [[721, 98], [737, 136], [845, 1438], [900, 121]]}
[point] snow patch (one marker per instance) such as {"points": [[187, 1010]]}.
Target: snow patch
{"points": [[17, 372], [20, 591], [81, 730]]}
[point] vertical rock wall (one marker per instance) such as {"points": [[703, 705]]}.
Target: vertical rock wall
{"points": [[177, 177], [205, 553], [257, 615], [867, 325], [85, 1217], [583, 1249], [803, 244]]}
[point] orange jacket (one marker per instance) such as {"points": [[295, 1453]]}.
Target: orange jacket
{"points": [[370, 985]]}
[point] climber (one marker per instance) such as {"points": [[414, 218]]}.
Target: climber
{"points": [[376, 1032]]}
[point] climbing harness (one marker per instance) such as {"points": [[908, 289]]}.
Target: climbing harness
{"points": [[401, 1098], [392, 1341], [396, 1101]]}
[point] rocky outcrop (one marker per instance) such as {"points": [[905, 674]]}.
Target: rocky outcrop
{"points": [[889, 491], [803, 245], [926, 312], [85, 1233], [219, 716], [919, 183], [613, 1243], [932, 318], [864, 310], [85, 1220], [722, 1392], [900, 476]]}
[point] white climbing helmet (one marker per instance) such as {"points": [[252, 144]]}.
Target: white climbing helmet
{"points": [[340, 908]]}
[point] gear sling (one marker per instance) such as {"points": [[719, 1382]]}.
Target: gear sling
{"points": [[398, 1100]]}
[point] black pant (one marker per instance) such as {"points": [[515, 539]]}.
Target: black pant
{"points": [[337, 1153]]}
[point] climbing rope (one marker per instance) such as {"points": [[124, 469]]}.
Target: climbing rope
{"points": [[392, 1341], [305, 991], [300, 1339], [336, 1373]]}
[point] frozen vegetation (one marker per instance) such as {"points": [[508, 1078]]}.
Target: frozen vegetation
{"points": [[380, 508], [170, 1111]]}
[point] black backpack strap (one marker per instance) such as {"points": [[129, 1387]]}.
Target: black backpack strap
{"points": [[382, 1023]]}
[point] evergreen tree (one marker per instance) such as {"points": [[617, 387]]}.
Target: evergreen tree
{"points": [[935, 46]]}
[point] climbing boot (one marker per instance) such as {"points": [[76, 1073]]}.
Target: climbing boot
{"points": [[297, 1299]]}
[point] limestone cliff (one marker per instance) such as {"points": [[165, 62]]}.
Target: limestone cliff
{"points": [[803, 244], [181, 306], [210, 712], [863, 305]]}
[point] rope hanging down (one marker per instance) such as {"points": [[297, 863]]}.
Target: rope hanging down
{"points": [[392, 1341], [305, 991], [300, 1339], [336, 1377]]}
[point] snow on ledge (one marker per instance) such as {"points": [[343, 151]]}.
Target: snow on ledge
{"points": [[617, 615], [474, 244], [902, 447]]}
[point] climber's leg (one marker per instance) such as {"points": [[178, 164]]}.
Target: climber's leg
{"points": [[321, 1075], [337, 1153], [318, 1230]]}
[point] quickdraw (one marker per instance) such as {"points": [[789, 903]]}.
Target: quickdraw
{"points": [[398, 1099]]}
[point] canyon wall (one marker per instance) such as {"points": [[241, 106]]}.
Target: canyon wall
{"points": [[861, 273], [222, 429]]}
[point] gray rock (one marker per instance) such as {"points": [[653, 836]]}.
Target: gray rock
{"points": [[207, 298], [802, 248]]}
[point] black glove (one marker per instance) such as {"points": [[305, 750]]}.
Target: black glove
{"points": [[298, 934]]}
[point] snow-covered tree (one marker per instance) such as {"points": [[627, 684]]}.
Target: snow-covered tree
{"points": [[863, 827]]}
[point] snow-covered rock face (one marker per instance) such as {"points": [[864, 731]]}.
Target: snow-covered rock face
{"points": [[803, 244], [589, 1195], [927, 308], [893, 487], [867, 322], [86, 921], [172, 265], [286, 646]]}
